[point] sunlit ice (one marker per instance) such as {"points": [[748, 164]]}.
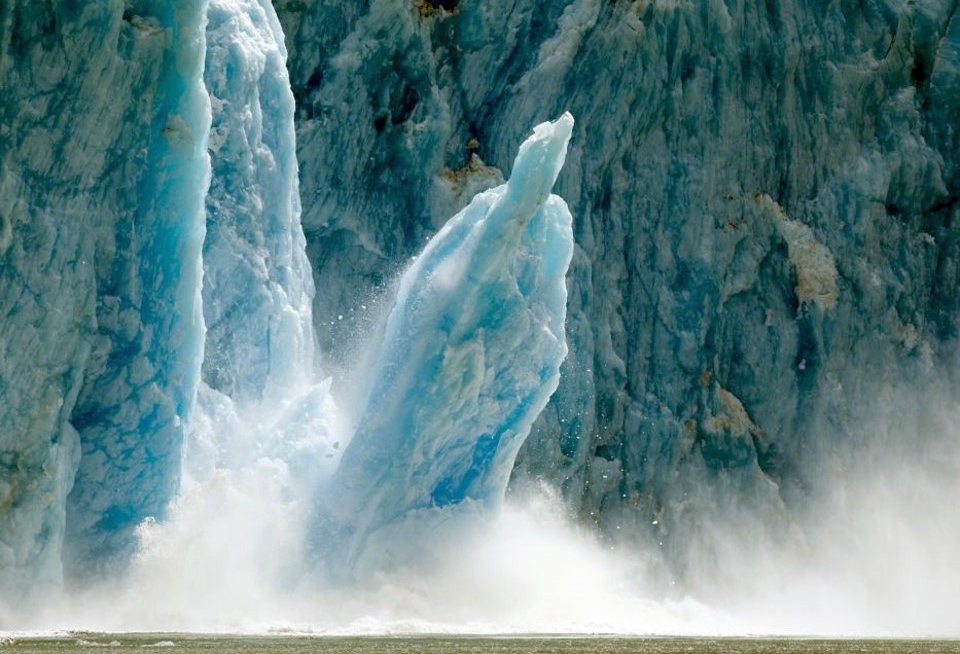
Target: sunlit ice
{"points": [[173, 458]]}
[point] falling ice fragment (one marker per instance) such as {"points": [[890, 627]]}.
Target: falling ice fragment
{"points": [[470, 355]]}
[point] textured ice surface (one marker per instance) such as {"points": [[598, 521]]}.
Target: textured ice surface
{"points": [[106, 127], [688, 299], [718, 344], [470, 355], [143, 372], [261, 430], [257, 285], [104, 168]]}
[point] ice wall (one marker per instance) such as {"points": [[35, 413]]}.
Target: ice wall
{"points": [[470, 355], [257, 285], [104, 170], [105, 207], [765, 198]]}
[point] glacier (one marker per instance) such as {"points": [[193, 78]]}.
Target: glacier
{"points": [[162, 294], [762, 294], [257, 284], [141, 379], [704, 376], [133, 278], [470, 354], [104, 172]]}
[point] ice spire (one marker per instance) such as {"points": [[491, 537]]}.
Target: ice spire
{"points": [[470, 355]]}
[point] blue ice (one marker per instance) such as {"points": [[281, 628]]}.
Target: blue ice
{"points": [[470, 355]]}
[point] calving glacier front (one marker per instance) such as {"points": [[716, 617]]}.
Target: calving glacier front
{"points": [[103, 170], [100, 286], [102, 250], [471, 354]]}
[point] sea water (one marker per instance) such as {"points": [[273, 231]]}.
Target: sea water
{"points": [[289, 644]]}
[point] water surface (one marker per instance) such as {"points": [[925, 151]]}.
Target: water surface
{"points": [[225, 644]]}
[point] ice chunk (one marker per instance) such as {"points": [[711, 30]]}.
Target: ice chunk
{"points": [[470, 356]]}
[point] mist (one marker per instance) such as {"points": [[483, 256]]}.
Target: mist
{"points": [[872, 556]]}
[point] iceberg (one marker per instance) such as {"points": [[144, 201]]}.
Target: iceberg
{"points": [[470, 355]]}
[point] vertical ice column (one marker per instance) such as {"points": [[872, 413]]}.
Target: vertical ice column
{"points": [[142, 377], [471, 354], [47, 289], [257, 283], [103, 125]]}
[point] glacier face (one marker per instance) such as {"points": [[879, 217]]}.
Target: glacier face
{"points": [[118, 364], [765, 201], [104, 134], [106, 202], [470, 354], [257, 285], [142, 376]]}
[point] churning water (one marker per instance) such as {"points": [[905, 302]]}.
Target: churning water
{"points": [[201, 644]]}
